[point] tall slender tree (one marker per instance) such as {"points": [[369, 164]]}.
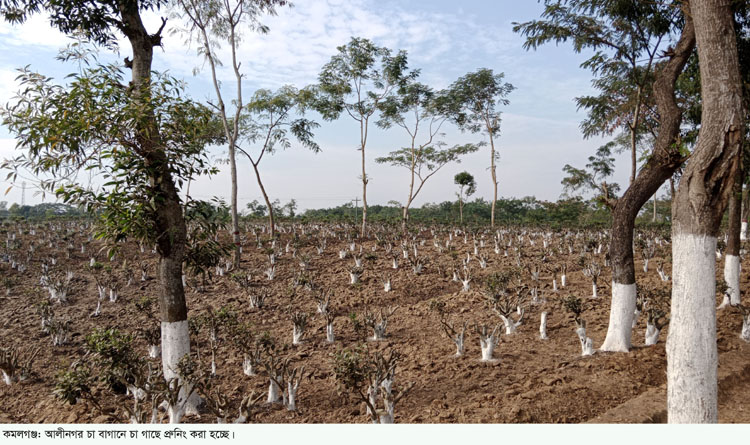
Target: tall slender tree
{"points": [[356, 80], [267, 124], [413, 109], [209, 23], [701, 199], [471, 102]]}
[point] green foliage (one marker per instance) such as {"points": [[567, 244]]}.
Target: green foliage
{"points": [[269, 120], [98, 20], [574, 305], [94, 123], [431, 158], [74, 383], [471, 101], [256, 209], [619, 32], [43, 211], [358, 78], [352, 369], [498, 283], [204, 251], [465, 179], [115, 356], [592, 178], [528, 211]]}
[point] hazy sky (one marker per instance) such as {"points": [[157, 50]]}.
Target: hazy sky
{"points": [[539, 131]]}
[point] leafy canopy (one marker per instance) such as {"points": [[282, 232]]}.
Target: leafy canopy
{"points": [[91, 124], [471, 101], [358, 78], [465, 179], [592, 178], [271, 117]]}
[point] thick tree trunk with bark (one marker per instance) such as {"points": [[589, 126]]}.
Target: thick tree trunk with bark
{"points": [[701, 199], [661, 165], [169, 221]]}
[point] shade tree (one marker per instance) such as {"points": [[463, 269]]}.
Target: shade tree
{"points": [[413, 108], [593, 177], [702, 197], [471, 103], [466, 187], [356, 81], [272, 120], [144, 134], [209, 24], [622, 32]]}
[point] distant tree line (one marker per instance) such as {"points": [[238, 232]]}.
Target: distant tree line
{"points": [[572, 212], [40, 211]]}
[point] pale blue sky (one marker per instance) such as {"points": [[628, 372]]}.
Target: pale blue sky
{"points": [[444, 39]]}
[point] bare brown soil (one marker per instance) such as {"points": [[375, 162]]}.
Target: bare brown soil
{"points": [[533, 380]]}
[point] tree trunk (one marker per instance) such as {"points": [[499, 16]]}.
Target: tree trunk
{"points": [[745, 212], [405, 217], [634, 134], [461, 209], [494, 180], [233, 205], [169, 221], [271, 222], [660, 167], [732, 256], [701, 199], [363, 133]]}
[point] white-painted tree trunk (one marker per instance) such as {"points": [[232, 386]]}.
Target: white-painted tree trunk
{"points": [[692, 357], [154, 351], [7, 379], [594, 291], [587, 345], [329, 333], [543, 326], [488, 346], [459, 341], [745, 333], [291, 403], [247, 366], [636, 315], [510, 325], [563, 280], [732, 277], [620, 329], [175, 344], [274, 392], [652, 334], [297, 334], [743, 231]]}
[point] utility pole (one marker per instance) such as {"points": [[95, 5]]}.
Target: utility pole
{"points": [[23, 193]]}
